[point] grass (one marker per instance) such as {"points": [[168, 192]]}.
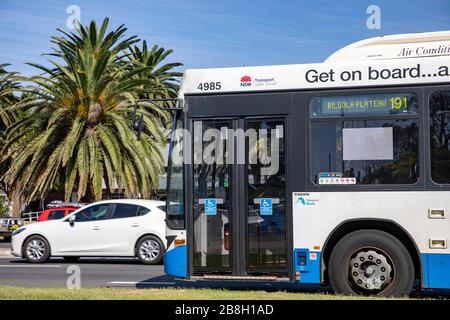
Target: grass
{"points": [[15, 293]]}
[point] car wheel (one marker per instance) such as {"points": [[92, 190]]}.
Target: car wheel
{"points": [[371, 262], [150, 250], [36, 249], [71, 258]]}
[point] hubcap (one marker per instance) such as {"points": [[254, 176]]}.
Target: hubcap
{"points": [[149, 250], [371, 270], [36, 249]]}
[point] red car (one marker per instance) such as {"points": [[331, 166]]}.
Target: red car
{"points": [[56, 213]]}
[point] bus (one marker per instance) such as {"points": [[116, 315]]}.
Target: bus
{"points": [[333, 173]]}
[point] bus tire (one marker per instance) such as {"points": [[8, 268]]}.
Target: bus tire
{"points": [[371, 262]]}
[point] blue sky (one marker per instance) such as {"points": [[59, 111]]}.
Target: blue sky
{"points": [[219, 33]]}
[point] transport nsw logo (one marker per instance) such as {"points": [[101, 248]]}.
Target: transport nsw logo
{"points": [[246, 81], [304, 199]]}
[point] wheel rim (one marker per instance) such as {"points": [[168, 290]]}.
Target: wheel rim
{"points": [[370, 270], [36, 249], [149, 250]]}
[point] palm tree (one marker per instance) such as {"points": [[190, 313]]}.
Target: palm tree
{"points": [[8, 86], [162, 79], [80, 124], [8, 100]]}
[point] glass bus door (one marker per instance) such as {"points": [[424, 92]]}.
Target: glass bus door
{"points": [[266, 196], [239, 196], [212, 212]]}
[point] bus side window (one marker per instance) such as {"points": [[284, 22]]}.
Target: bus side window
{"points": [[440, 136], [364, 139]]}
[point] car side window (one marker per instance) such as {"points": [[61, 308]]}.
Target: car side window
{"points": [[143, 211], [94, 213], [125, 210], [56, 214]]}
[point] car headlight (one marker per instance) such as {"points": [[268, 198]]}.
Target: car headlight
{"points": [[16, 232]]}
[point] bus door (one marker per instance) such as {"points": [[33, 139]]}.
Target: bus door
{"points": [[239, 197], [212, 204]]}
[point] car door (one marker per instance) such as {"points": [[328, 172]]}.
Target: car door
{"points": [[88, 235], [127, 225]]}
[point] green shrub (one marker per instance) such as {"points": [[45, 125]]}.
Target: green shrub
{"points": [[4, 209]]}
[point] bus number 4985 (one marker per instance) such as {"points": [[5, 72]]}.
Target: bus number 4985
{"points": [[209, 86]]}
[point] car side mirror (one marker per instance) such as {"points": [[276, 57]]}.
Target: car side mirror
{"points": [[72, 220]]}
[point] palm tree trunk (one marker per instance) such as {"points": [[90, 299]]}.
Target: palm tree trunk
{"points": [[16, 204], [89, 197]]}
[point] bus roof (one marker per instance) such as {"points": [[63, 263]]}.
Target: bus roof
{"points": [[411, 45], [388, 60]]}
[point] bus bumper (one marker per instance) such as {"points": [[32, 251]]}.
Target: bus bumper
{"points": [[175, 261]]}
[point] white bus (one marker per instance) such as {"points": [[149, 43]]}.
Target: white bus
{"points": [[330, 173]]}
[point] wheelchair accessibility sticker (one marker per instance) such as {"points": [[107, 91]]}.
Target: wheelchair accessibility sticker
{"points": [[265, 207], [210, 207]]}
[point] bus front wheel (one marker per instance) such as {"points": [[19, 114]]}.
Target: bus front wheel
{"points": [[371, 262]]}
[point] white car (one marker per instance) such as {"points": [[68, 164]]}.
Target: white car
{"points": [[113, 228]]}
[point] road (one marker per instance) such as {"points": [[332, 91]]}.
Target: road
{"points": [[94, 273], [99, 272], [4, 244], [105, 272]]}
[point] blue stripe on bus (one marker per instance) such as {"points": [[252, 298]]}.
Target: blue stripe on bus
{"points": [[307, 268], [175, 262], [436, 268]]}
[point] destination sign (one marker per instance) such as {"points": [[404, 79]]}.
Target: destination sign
{"points": [[377, 104]]}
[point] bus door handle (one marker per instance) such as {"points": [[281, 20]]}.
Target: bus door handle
{"points": [[226, 236], [96, 228]]}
